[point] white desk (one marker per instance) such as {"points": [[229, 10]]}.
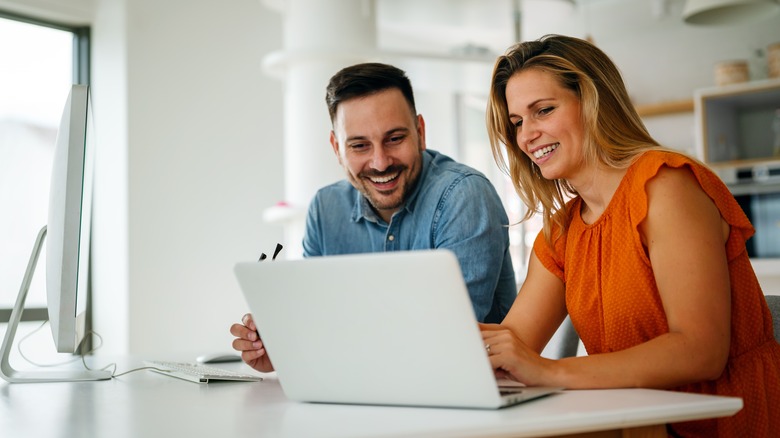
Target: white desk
{"points": [[148, 405]]}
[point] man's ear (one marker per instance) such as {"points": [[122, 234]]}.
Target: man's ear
{"points": [[421, 131], [335, 144]]}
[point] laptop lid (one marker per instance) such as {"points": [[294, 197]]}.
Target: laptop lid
{"points": [[393, 328]]}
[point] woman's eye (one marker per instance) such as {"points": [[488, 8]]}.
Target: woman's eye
{"points": [[546, 110], [518, 123]]}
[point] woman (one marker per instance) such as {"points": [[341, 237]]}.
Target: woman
{"points": [[642, 246]]}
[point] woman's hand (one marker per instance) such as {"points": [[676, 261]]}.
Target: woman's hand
{"points": [[250, 345], [512, 359]]}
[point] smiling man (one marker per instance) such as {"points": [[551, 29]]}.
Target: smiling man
{"points": [[399, 195]]}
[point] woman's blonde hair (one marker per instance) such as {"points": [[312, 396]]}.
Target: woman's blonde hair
{"points": [[614, 132]]}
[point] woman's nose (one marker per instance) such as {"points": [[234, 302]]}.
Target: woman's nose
{"points": [[526, 133]]}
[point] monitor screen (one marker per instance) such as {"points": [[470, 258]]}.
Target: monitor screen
{"points": [[67, 238], [68, 227]]}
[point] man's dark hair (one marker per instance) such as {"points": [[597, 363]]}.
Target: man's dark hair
{"points": [[361, 80]]}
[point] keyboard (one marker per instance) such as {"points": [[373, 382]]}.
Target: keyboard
{"points": [[199, 373]]}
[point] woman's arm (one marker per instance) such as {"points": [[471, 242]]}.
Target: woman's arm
{"points": [[539, 308], [685, 239], [515, 345]]}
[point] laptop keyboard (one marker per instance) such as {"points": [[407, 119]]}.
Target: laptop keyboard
{"points": [[199, 373], [509, 391]]}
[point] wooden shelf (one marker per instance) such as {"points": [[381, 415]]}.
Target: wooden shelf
{"points": [[663, 108]]}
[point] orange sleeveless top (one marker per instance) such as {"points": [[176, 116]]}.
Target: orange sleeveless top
{"points": [[614, 304]]}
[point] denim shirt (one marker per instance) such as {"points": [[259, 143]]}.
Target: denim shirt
{"points": [[453, 206]]}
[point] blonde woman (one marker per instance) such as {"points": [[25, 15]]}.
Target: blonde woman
{"points": [[642, 246]]}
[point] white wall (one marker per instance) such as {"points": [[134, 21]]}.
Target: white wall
{"points": [[110, 268], [184, 99]]}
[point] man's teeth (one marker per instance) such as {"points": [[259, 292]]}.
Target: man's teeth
{"points": [[545, 150], [382, 180]]}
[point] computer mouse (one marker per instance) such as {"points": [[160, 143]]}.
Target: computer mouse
{"points": [[219, 357]]}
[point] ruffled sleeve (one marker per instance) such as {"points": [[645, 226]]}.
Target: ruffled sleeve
{"points": [[647, 167]]}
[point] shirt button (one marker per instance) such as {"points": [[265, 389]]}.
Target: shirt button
{"points": [[391, 237]]}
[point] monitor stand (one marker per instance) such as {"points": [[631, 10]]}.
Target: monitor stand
{"points": [[15, 376]]}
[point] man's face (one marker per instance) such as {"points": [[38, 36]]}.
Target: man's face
{"points": [[379, 142]]}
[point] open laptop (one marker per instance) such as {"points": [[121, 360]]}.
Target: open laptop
{"points": [[391, 328]]}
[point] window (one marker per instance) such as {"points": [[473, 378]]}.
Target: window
{"points": [[40, 61]]}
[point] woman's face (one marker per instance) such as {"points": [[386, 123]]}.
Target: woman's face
{"points": [[548, 124]]}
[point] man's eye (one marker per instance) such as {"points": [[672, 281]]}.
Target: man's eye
{"points": [[358, 146], [396, 139]]}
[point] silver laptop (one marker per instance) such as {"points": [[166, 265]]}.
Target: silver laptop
{"points": [[392, 328]]}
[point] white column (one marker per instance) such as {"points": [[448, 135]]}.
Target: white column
{"points": [[320, 38]]}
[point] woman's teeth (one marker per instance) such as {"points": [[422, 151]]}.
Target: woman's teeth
{"points": [[545, 150]]}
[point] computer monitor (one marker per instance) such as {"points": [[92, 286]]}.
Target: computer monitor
{"points": [[67, 236]]}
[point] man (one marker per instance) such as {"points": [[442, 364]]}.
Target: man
{"points": [[398, 195]]}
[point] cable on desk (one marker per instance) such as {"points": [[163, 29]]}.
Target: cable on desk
{"points": [[81, 355], [44, 365]]}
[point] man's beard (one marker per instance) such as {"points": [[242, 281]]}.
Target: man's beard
{"points": [[401, 193]]}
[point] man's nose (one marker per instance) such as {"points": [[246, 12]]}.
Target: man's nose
{"points": [[379, 159]]}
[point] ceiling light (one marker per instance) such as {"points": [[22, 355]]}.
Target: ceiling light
{"points": [[727, 11]]}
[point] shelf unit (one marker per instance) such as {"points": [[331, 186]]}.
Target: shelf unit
{"points": [[735, 136], [734, 129]]}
